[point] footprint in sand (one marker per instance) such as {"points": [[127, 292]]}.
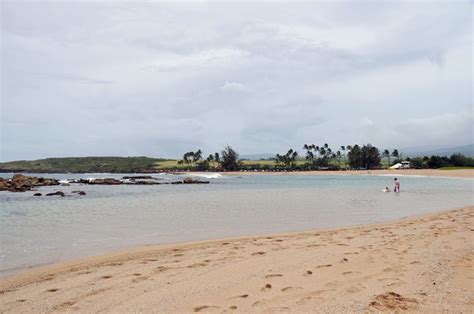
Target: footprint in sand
{"points": [[321, 266], [233, 307], [106, 277], [267, 287], [205, 307], [305, 300], [242, 296], [273, 275], [308, 272], [138, 279], [52, 290], [334, 284], [280, 309], [288, 289], [355, 289], [258, 253]]}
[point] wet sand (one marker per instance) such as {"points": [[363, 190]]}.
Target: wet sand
{"points": [[415, 264]]}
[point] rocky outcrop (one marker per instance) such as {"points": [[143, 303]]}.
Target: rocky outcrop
{"points": [[105, 181], [59, 193], [190, 180], [138, 178], [21, 183]]}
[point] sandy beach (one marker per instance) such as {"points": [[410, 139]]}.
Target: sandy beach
{"points": [[421, 264]]}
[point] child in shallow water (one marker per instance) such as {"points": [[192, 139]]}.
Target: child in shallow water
{"points": [[386, 189]]}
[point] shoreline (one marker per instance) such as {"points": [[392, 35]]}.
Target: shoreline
{"points": [[458, 173], [179, 265], [455, 173]]}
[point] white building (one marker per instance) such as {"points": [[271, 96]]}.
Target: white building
{"points": [[402, 165]]}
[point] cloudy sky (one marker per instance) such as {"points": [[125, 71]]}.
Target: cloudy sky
{"points": [[147, 78]]}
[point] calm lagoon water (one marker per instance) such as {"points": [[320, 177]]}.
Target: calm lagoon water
{"points": [[41, 230]]}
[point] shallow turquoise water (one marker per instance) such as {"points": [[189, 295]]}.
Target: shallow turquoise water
{"points": [[39, 230]]}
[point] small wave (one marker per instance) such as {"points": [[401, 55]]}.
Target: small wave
{"points": [[401, 175], [206, 175]]}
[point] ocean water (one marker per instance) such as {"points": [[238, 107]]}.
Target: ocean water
{"points": [[42, 230]]}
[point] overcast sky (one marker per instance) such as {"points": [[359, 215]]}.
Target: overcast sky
{"points": [[158, 79]]}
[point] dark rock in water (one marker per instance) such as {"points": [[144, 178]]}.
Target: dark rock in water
{"points": [[37, 194], [105, 181], [59, 193], [79, 192], [190, 180], [21, 183], [138, 177], [146, 182]]}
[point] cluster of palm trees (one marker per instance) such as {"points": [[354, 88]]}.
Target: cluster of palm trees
{"points": [[317, 157], [322, 155], [228, 159], [387, 154], [288, 159], [355, 156], [190, 158]]}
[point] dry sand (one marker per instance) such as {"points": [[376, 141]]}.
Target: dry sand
{"points": [[417, 264], [458, 173]]}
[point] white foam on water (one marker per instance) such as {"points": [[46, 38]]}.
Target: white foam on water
{"points": [[213, 175], [401, 175]]}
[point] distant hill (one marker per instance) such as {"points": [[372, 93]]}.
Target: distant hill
{"points": [[466, 150], [83, 164]]}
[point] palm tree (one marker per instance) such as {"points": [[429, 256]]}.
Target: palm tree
{"points": [[197, 155], [343, 148], [395, 153], [188, 157], [386, 153]]}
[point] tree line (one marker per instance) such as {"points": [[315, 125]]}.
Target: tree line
{"points": [[317, 157]]}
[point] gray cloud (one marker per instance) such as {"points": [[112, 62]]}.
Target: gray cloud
{"points": [[89, 78]]}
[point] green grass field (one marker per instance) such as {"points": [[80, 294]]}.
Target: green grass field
{"points": [[83, 164]]}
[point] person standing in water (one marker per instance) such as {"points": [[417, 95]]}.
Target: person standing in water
{"points": [[397, 186]]}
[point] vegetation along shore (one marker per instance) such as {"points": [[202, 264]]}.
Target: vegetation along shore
{"points": [[321, 158]]}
